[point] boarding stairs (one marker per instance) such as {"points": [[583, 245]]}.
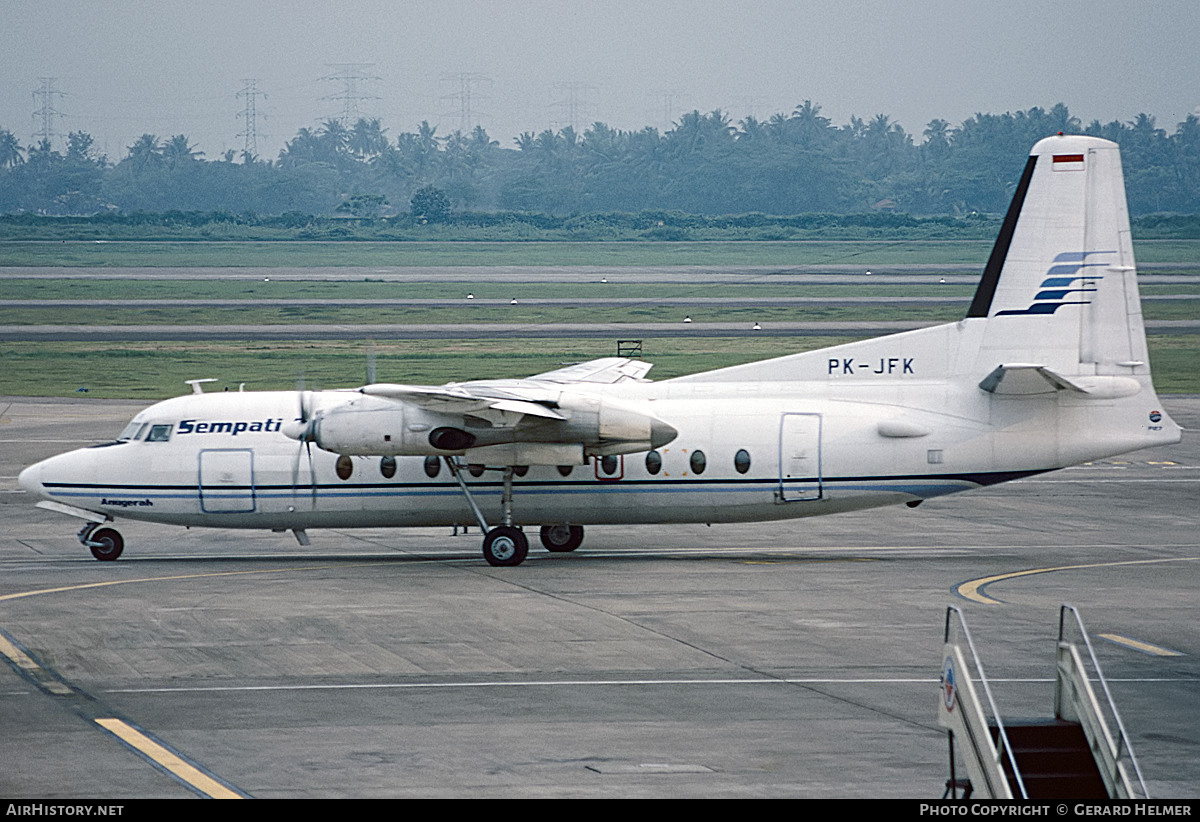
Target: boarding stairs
{"points": [[1083, 752]]}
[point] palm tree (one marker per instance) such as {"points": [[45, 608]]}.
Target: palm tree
{"points": [[937, 133], [301, 149], [526, 141], [807, 126], [177, 151], [333, 139], [10, 150], [145, 153], [79, 146], [367, 138]]}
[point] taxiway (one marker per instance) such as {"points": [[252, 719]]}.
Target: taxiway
{"points": [[789, 659]]}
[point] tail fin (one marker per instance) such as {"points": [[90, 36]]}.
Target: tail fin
{"points": [[1060, 288], [1057, 308]]}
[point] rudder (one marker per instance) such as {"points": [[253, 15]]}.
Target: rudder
{"points": [[1060, 288]]}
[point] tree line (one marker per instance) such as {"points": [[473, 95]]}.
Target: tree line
{"points": [[706, 164]]}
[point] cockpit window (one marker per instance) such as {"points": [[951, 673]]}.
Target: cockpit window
{"points": [[159, 433], [130, 432]]}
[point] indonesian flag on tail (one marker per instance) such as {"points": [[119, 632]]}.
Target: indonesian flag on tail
{"points": [[1068, 162]]}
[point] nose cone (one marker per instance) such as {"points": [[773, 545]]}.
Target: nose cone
{"points": [[73, 466], [31, 479], [661, 433]]}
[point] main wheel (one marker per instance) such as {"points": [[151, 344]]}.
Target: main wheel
{"points": [[108, 544], [561, 538], [505, 545]]}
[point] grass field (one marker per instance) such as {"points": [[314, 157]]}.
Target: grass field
{"points": [[154, 370], [616, 254]]}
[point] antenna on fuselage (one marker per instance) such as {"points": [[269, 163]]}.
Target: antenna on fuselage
{"points": [[195, 384]]}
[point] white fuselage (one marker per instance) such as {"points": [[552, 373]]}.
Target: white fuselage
{"points": [[744, 452]]}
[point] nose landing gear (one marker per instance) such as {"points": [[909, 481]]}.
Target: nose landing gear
{"points": [[106, 544]]}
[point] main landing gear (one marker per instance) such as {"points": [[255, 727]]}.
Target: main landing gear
{"points": [[105, 543], [561, 538], [507, 545]]}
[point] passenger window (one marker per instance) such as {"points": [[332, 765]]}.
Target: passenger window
{"points": [[609, 464], [159, 433], [653, 462], [387, 467], [565, 470], [699, 462], [741, 461], [433, 465], [344, 467]]}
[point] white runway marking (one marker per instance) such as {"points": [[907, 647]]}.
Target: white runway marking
{"points": [[590, 683]]}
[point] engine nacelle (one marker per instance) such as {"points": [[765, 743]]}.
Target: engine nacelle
{"points": [[367, 425]]}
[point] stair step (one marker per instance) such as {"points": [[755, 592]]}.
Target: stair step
{"points": [[1055, 760]]}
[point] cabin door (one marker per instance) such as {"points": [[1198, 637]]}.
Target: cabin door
{"points": [[799, 457], [227, 481]]}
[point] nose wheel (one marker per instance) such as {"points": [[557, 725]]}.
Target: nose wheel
{"points": [[106, 544]]}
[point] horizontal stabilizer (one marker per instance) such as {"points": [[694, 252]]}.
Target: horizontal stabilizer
{"points": [[1025, 380]]}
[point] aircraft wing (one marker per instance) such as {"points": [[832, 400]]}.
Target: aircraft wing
{"points": [[464, 399], [606, 370], [529, 396]]}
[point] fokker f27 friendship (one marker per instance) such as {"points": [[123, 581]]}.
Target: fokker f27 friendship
{"points": [[1048, 369]]}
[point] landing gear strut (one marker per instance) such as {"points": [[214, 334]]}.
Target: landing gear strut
{"points": [[105, 543], [504, 545]]}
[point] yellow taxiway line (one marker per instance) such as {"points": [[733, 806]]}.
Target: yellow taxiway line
{"points": [[173, 763], [973, 590]]}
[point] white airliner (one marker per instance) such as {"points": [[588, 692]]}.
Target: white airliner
{"points": [[1048, 369]]}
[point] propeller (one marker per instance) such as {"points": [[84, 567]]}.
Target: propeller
{"points": [[303, 429]]}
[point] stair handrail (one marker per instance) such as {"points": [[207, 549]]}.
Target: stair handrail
{"points": [[1005, 746], [1121, 747]]}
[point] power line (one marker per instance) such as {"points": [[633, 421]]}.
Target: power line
{"points": [[466, 93], [350, 75], [574, 104], [249, 114], [664, 112], [46, 112]]}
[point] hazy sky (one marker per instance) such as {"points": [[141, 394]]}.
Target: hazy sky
{"points": [[165, 67]]}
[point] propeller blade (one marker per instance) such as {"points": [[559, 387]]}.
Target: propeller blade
{"points": [[312, 474]]}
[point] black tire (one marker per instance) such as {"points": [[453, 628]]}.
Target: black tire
{"points": [[505, 546], [561, 538], [109, 545]]}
